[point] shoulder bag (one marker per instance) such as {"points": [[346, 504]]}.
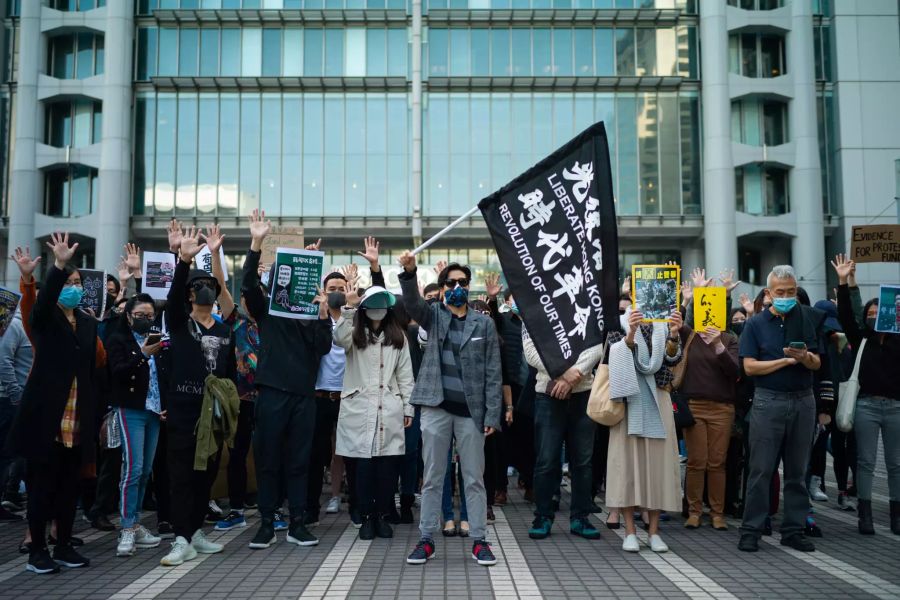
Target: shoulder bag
{"points": [[847, 394], [601, 408]]}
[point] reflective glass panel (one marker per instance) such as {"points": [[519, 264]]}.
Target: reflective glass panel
{"points": [[271, 52], [375, 55], [293, 52], [168, 51], [251, 52], [562, 52], [313, 40], [209, 52], [438, 57], [500, 53], [187, 52], [605, 63], [334, 52], [398, 52], [231, 52], [625, 64]]}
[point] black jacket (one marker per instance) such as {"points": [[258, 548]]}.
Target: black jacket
{"points": [[61, 354], [129, 371], [289, 349]]}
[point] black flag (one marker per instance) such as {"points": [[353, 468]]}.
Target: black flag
{"points": [[554, 228]]}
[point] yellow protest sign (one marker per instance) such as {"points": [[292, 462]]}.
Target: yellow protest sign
{"points": [[709, 308]]}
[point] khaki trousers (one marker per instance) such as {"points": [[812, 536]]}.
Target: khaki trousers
{"points": [[707, 447]]}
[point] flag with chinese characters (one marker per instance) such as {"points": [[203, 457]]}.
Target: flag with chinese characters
{"points": [[554, 228], [709, 308]]}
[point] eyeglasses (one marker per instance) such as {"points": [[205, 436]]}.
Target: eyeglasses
{"points": [[461, 282], [73, 282], [139, 315]]}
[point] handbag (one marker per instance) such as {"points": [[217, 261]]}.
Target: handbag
{"points": [[110, 431], [681, 411], [847, 394], [601, 408]]}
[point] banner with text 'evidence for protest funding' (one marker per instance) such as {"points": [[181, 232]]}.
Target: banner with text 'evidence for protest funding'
{"points": [[554, 228]]}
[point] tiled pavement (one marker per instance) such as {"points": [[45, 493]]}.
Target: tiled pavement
{"points": [[701, 564]]}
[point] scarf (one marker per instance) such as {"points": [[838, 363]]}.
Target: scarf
{"points": [[631, 376]]}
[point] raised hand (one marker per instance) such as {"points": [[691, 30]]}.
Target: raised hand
{"points": [[726, 277], [259, 226], [62, 251], [351, 274], [132, 257], [322, 300], [372, 247], [747, 303], [440, 266], [626, 285], [492, 285], [27, 265], [175, 233], [687, 292], [214, 238], [315, 246], [698, 278], [352, 296], [408, 261], [191, 244], [123, 270], [844, 267]]}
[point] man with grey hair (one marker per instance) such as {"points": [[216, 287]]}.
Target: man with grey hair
{"points": [[778, 349]]}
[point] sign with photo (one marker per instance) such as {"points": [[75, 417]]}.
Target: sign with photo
{"points": [[654, 290], [9, 300], [295, 277], [888, 320], [158, 271], [709, 308], [94, 284]]}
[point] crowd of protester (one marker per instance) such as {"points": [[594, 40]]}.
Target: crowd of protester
{"points": [[398, 401]]}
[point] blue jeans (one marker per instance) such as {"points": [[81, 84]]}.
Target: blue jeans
{"points": [[447, 503], [874, 413], [409, 470], [140, 433], [556, 421]]}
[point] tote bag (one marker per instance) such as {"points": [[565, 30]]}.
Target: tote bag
{"points": [[848, 391], [601, 408]]}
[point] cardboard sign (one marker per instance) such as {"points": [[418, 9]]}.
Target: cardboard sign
{"points": [[297, 275], [94, 284], [158, 271], [888, 320], [281, 236], [204, 260], [9, 300], [709, 308], [655, 290], [875, 243]]}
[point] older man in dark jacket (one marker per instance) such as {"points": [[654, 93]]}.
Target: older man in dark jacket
{"points": [[460, 391]]}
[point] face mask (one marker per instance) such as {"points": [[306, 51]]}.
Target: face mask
{"points": [[870, 323], [623, 319], [458, 296], [431, 301], [205, 296], [141, 326], [515, 309], [336, 300], [784, 305], [110, 300], [70, 297], [737, 328], [376, 314]]}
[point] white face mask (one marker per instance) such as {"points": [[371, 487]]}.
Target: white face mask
{"points": [[623, 319], [376, 314]]}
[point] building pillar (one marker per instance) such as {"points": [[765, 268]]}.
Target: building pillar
{"points": [[25, 195], [718, 167], [114, 200], [808, 245]]}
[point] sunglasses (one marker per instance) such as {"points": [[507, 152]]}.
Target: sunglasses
{"points": [[461, 282], [199, 285]]}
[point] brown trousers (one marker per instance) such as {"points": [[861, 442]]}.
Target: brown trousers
{"points": [[707, 447]]}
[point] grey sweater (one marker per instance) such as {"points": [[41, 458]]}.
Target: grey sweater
{"points": [[16, 355]]}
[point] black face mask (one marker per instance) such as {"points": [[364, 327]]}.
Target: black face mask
{"points": [[432, 300], [205, 296], [336, 300], [737, 328], [622, 311], [870, 323], [141, 326], [110, 300]]}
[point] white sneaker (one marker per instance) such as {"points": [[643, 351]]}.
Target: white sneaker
{"points": [[846, 502], [181, 551], [144, 539], [657, 545], [334, 506], [203, 545], [631, 544], [126, 543], [815, 489]]}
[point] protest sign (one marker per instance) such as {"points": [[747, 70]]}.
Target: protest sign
{"points": [[709, 308], [888, 320], [554, 228], [281, 236], [654, 290], [204, 260], [297, 276], [158, 270], [875, 243], [93, 283], [9, 300]]}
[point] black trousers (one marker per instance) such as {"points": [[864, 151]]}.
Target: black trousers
{"points": [[189, 488], [160, 480], [285, 424], [350, 472], [237, 457], [492, 465], [109, 471], [327, 411], [53, 494], [375, 483], [598, 460]]}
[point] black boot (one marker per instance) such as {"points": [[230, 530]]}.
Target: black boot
{"points": [[895, 517], [393, 516], [864, 510], [406, 506], [382, 528], [368, 529]]}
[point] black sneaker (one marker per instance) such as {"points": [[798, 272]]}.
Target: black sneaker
{"points": [[40, 562], [102, 523], [748, 543], [300, 535], [265, 537], [423, 552], [368, 529], [393, 517], [799, 543], [68, 557], [481, 553], [383, 528], [165, 530], [6, 515]]}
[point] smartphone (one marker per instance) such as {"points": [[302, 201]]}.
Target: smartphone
{"points": [[154, 338], [797, 345]]}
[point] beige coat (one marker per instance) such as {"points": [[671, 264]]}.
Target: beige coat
{"points": [[378, 382]]}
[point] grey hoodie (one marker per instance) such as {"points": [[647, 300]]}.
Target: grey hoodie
{"points": [[16, 356]]}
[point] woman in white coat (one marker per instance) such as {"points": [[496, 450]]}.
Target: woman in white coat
{"points": [[375, 408]]}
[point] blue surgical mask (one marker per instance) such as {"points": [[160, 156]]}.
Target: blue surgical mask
{"points": [[458, 296], [515, 308], [70, 297], [784, 305]]}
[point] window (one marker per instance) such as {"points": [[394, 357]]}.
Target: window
{"points": [[822, 51], [77, 5], [76, 56], [71, 191], [757, 4], [759, 122], [762, 190], [757, 55], [750, 266], [75, 124]]}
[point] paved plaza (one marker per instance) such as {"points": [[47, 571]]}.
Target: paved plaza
{"points": [[701, 564]]}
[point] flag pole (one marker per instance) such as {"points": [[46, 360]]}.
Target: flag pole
{"points": [[445, 230]]}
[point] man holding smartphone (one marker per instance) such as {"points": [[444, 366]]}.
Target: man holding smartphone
{"points": [[778, 349]]}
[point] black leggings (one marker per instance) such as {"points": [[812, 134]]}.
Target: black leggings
{"points": [[53, 493], [376, 480]]}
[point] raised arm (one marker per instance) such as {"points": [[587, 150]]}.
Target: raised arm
{"points": [[54, 281], [415, 305], [253, 295], [214, 239], [848, 310], [372, 248], [176, 305]]}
